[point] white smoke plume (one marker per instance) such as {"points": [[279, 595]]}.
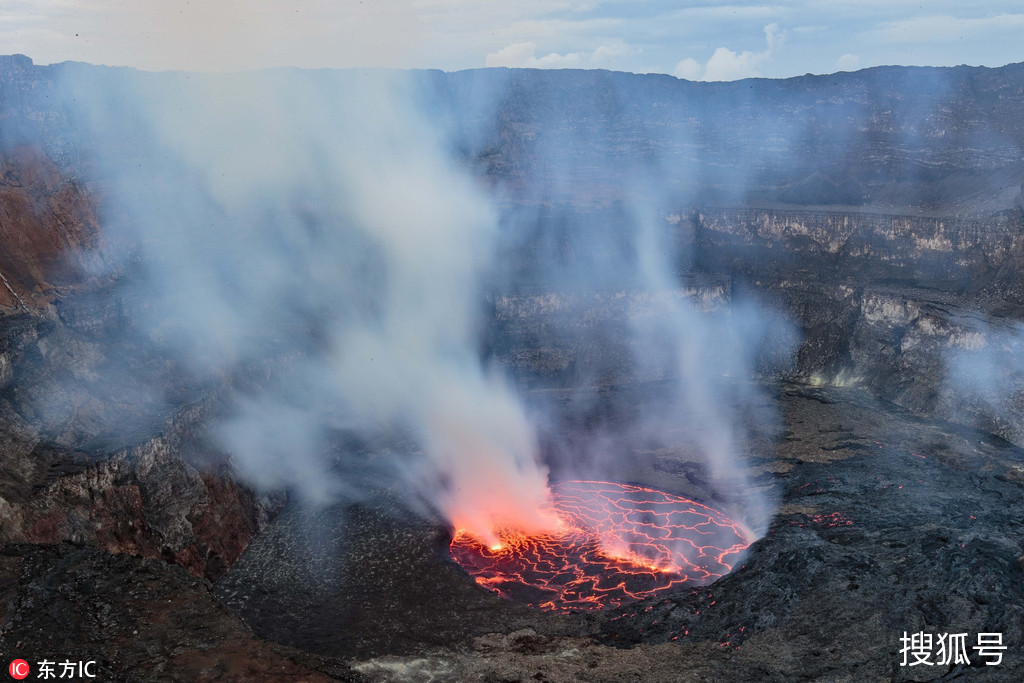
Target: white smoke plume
{"points": [[315, 221], [984, 383], [319, 242]]}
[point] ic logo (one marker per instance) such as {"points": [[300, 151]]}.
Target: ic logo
{"points": [[18, 669]]}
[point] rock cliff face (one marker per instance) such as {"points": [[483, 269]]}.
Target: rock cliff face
{"points": [[893, 303], [888, 137], [84, 457], [48, 227]]}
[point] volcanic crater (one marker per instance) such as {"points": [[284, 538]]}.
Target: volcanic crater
{"points": [[891, 493]]}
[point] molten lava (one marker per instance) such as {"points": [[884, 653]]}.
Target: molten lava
{"points": [[617, 543]]}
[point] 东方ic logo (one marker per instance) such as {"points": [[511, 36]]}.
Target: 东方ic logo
{"points": [[18, 669]]}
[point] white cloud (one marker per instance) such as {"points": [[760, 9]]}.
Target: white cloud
{"points": [[524, 55], [515, 55], [690, 69], [848, 62], [727, 65], [604, 54]]}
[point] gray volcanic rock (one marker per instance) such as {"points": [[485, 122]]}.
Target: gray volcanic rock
{"points": [[138, 619]]}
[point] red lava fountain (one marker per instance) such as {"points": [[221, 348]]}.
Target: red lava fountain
{"points": [[618, 543]]}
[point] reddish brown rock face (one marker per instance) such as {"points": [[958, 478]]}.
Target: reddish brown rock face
{"points": [[143, 501], [48, 227]]}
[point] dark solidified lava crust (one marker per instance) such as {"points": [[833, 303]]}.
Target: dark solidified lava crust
{"points": [[886, 523]]}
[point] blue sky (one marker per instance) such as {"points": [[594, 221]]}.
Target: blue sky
{"points": [[697, 40]]}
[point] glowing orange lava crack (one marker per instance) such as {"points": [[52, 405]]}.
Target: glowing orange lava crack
{"points": [[618, 543]]}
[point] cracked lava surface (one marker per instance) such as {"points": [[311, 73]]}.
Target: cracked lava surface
{"points": [[618, 543]]}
